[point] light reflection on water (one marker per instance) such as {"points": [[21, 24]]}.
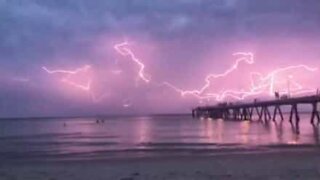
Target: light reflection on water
{"points": [[85, 135]]}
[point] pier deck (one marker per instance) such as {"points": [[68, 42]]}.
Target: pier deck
{"points": [[245, 111]]}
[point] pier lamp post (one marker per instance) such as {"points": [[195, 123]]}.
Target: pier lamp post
{"points": [[289, 84]]}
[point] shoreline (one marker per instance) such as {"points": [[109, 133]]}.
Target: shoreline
{"points": [[286, 164], [136, 154]]}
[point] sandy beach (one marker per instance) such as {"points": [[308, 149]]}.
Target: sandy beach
{"points": [[298, 164]]}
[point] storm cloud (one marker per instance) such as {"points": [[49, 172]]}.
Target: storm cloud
{"points": [[182, 39]]}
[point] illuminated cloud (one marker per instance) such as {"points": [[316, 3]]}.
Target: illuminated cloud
{"points": [[181, 41]]}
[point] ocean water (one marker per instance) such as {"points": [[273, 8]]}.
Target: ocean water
{"points": [[85, 138]]}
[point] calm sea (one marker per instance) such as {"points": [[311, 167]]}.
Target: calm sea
{"points": [[85, 138]]}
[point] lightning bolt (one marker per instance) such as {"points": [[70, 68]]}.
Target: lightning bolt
{"points": [[246, 57], [269, 80], [266, 83], [85, 87], [124, 50]]}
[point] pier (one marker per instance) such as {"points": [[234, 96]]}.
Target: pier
{"points": [[264, 110]]}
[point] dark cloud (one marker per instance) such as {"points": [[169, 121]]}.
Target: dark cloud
{"points": [[28, 26]]}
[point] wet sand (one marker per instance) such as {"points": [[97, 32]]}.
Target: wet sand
{"points": [[287, 164]]}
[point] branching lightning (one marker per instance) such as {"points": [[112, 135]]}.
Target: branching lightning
{"points": [[269, 80], [266, 84], [68, 73], [245, 57]]}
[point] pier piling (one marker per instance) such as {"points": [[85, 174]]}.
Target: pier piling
{"points": [[246, 111]]}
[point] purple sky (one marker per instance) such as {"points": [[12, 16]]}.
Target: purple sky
{"points": [[179, 41]]}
